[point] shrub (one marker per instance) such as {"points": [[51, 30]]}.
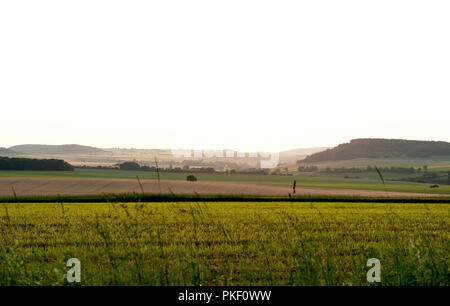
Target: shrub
{"points": [[191, 178]]}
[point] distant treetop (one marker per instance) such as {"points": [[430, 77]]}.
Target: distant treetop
{"points": [[7, 163]]}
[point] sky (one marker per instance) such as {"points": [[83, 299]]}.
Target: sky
{"points": [[244, 75]]}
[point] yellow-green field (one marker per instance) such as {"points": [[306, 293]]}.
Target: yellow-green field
{"points": [[224, 243]]}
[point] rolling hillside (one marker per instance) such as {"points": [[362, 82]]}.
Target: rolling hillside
{"points": [[34, 149], [381, 148], [7, 152]]}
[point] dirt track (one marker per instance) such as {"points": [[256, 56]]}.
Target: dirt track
{"points": [[63, 186]]}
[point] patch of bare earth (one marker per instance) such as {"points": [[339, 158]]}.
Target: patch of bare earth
{"points": [[79, 186]]}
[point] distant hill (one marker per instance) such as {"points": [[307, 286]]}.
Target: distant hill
{"points": [[380, 148], [7, 152], [296, 154], [33, 149]]}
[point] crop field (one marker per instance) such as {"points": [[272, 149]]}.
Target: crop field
{"points": [[306, 181], [78, 186], [224, 243]]}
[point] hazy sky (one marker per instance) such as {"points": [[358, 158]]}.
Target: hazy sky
{"points": [[246, 75]]}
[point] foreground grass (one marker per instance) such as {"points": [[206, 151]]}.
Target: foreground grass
{"points": [[304, 180], [224, 243]]}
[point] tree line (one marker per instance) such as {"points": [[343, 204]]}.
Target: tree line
{"points": [[7, 163], [373, 169], [133, 166]]}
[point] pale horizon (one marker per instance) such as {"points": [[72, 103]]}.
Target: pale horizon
{"points": [[205, 148], [243, 75]]}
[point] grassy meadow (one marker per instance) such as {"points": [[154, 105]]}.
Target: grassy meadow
{"points": [[224, 243]]}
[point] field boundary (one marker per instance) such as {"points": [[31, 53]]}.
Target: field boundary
{"points": [[136, 197]]}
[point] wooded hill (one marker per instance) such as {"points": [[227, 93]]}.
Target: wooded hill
{"points": [[7, 163], [381, 148]]}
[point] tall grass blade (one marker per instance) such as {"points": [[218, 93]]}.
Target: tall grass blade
{"points": [[157, 173], [381, 178], [140, 184]]}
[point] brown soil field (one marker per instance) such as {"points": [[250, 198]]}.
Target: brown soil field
{"points": [[69, 186]]}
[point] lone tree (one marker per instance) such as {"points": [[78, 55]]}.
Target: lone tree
{"points": [[129, 166], [191, 178]]}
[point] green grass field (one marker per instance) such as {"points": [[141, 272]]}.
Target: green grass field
{"points": [[224, 243], [319, 181]]}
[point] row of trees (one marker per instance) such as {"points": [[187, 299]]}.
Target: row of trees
{"points": [[136, 167], [431, 177], [248, 171], [7, 163], [372, 169], [133, 166], [361, 170], [308, 168]]}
